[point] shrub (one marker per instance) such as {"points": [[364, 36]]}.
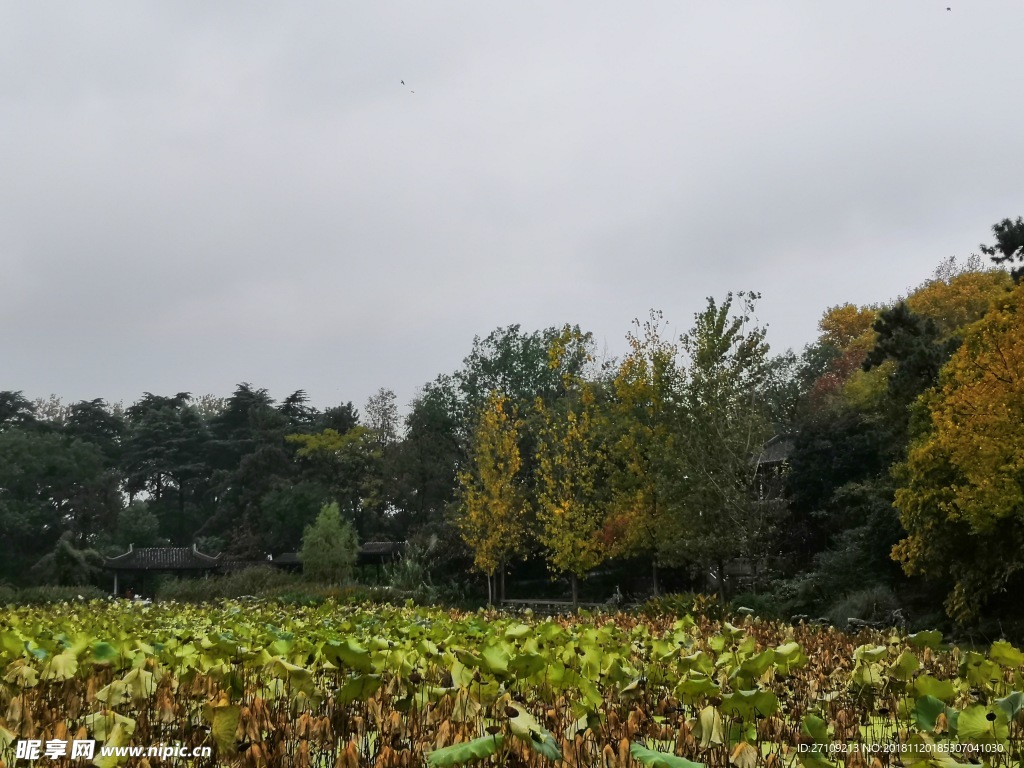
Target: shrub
{"points": [[41, 595], [251, 581], [329, 547], [683, 603], [872, 604], [764, 605]]}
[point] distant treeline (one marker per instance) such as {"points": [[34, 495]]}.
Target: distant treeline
{"points": [[897, 467]]}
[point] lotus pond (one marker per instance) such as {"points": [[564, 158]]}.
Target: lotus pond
{"points": [[349, 686]]}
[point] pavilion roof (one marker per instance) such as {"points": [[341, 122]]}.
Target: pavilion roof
{"points": [[163, 559]]}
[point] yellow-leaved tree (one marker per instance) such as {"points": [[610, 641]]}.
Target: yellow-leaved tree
{"points": [[570, 468], [492, 516], [641, 438], [961, 498]]}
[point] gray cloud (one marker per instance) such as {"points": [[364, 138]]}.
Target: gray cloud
{"points": [[195, 195]]}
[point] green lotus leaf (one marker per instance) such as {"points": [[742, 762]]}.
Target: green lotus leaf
{"points": [[348, 653], [467, 752], [870, 653], [759, 664], [654, 758], [929, 638], [223, 720], [525, 727], [983, 725], [496, 659], [516, 631], [816, 728], [1006, 655], [101, 724], [696, 687], [119, 736], [905, 666], [21, 674], [866, 676], [748, 704], [927, 685], [525, 665], [61, 667], [114, 694], [790, 656], [11, 645], [926, 715], [1012, 704], [359, 688]]}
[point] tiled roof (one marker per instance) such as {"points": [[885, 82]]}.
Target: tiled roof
{"points": [[163, 559], [776, 450], [381, 547]]}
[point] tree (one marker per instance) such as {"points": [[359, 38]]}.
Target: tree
{"points": [[295, 409], [50, 486], [519, 366], [641, 441], [961, 498], [345, 464], [137, 526], [492, 513], [287, 510], [329, 547], [724, 420], [571, 502], [16, 410], [250, 458], [95, 422], [382, 416], [164, 457], [67, 565], [426, 459], [915, 345], [1009, 245]]}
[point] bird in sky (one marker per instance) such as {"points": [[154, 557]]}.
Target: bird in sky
{"points": [[403, 82]]}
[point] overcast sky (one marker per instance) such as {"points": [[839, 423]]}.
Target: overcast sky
{"points": [[195, 194]]}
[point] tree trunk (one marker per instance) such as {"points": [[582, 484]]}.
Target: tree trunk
{"points": [[490, 589], [501, 593], [654, 577], [721, 582], [575, 592]]}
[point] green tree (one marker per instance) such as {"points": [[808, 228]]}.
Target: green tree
{"points": [[285, 511], [329, 547], [250, 458], [381, 414], [164, 458], [425, 482], [724, 420], [50, 486], [93, 421], [347, 465], [1009, 245], [16, 411], [68, 565]]}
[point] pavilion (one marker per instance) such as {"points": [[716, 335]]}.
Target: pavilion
{"points": [[177, 560]]}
